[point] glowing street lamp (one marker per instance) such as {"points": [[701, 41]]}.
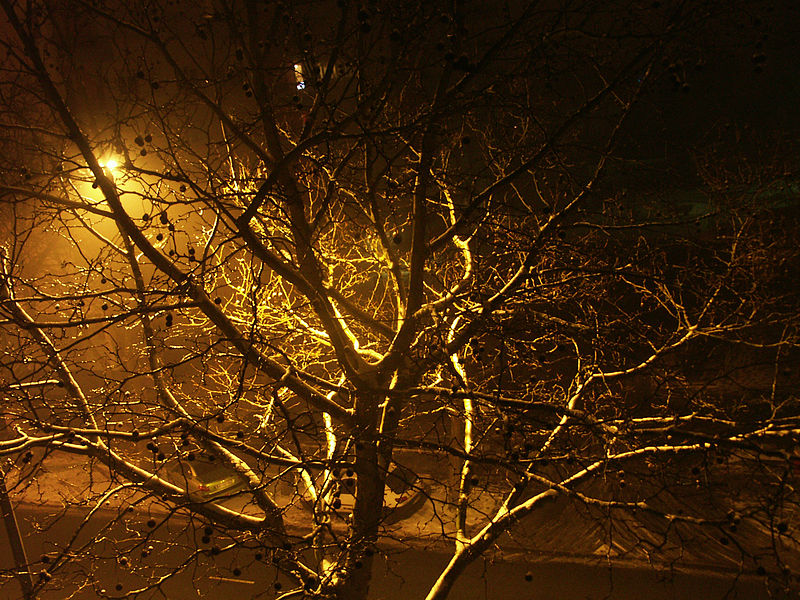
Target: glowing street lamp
{"points": [[111, 167]]}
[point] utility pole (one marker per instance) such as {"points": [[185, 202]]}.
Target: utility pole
{"points": [[22, 570]]}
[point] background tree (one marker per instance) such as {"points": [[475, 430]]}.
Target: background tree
{"points": [[312, 239]]}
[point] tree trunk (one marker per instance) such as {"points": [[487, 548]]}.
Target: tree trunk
{"points": [[368, 507]]}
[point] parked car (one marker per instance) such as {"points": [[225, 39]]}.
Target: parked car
{"points": [[404, 494], [203, 478]]}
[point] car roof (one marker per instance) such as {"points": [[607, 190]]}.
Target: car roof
{"points": [[203, 468]]}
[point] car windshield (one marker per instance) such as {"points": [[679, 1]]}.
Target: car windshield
{"points": [[400, 479]]}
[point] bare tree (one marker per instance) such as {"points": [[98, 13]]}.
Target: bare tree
{"points": [[328, 245]]}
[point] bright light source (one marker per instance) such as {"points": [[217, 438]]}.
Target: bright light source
{"points": [[111, 167], [298, 76]]}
